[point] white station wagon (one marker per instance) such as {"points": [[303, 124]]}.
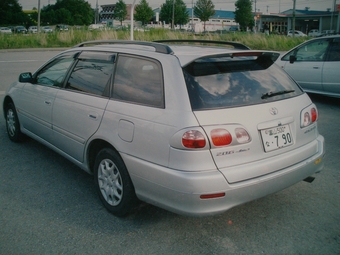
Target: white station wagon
{"points": [[193, 129]]}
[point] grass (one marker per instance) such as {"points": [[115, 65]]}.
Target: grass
{"points": [[256, 41]]}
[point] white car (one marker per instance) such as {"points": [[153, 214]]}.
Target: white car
{"points": [[33, 29], [46, 29], [296, 33], [193, 129], [96, 27], [315, 65], [5, 30], [314, 33]]}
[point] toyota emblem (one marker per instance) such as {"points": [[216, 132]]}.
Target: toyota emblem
{"points": [[273, 111]]}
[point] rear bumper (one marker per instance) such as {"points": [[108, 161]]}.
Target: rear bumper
{"points": [[179, 191]]}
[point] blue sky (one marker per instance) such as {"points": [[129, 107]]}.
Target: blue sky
{"points": [[270, 6]]}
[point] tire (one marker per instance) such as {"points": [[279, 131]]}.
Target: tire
{"points": [[113, 183], [12, 124]]}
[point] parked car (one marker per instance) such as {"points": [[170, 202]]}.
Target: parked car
{"points": [[233, 28], [33, 29], [20, 30], [315, 65], [5, 30], [46, 29], [297, 33], [314, 33], [62, 28], [193, 129], [328, 32], [96, 27]]}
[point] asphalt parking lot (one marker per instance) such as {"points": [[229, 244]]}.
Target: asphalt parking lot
{"points": [[49, 206]]}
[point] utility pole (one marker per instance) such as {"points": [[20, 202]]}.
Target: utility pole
{"points": [[96, 15], [131, 20], [334, 3], [173, 14], [38, 16], [192, 15], [293, 28]]}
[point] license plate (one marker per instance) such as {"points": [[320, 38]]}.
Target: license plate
{"points": [[276, 138]]}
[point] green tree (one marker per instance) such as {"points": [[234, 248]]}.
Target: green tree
{"points": [[243, 14], [63, 16], [47, 15], [144, 12], [120, 11], [204, 9], [11, 13], [181, 15], [71, 12]]}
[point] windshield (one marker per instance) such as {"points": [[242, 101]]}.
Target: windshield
{"points": [[225, 82]]}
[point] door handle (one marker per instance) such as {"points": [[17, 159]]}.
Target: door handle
{"points": [[93, 116]]}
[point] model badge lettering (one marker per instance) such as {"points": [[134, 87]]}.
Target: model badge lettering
{"points": [[231, 152]]}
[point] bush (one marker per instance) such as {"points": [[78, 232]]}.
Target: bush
{"points": [[256, 41]]}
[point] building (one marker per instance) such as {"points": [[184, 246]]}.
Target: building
{"points": [[305, 20]]}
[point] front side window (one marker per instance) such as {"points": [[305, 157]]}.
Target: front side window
{"points": [[54, 73], [139, 80], [313, 51], [92, 73], [214, 83]]}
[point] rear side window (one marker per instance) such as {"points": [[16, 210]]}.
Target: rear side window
{"points": [[214, 83], [138, 80], [92, 73]]}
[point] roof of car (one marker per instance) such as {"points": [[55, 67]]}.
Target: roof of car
{"points": [[185, 50]]}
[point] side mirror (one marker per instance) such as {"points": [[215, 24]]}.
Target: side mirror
{"points": [[26, 77], [292, 59]]}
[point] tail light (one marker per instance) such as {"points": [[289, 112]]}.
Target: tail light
{"points": [[193, 139], [210, 136], [309, 115]]}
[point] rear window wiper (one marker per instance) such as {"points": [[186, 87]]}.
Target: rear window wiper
{"points": [[272, 94]]}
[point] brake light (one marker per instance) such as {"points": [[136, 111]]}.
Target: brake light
{"points": [[247, 54], [220, 137], [314, 114], [309, 116], [193, 139]]}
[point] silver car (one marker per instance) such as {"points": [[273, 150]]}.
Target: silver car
{"points": [[315, 65], [193, 129]]}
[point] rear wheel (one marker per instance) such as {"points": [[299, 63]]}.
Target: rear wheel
{"points": [[113, 183], [12, 123]]}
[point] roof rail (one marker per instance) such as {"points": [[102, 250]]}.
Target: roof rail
{"points": [[234, 44], [161, 48]]}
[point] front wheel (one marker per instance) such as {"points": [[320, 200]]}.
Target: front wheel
{"points": [[12, 123], [113, 183]]}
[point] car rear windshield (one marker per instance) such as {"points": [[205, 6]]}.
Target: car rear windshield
{"points": [[228, 81]]}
